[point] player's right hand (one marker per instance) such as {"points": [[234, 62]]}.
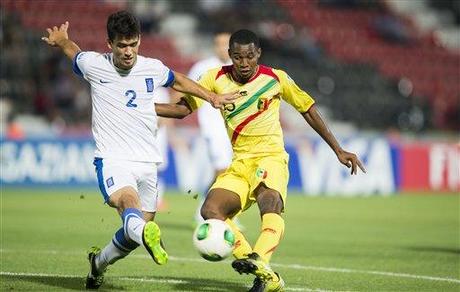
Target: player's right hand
{"points": [[350, 160], [220, 100], [56, 34]]}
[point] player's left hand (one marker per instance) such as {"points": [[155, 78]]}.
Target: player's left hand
{"points": [[219, 100], [56, 34], [350, 160]]}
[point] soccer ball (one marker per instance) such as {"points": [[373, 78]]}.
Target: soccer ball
{"points": [[214, 240]]}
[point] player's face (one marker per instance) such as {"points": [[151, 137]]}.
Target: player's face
{"points": [[244, 59], [124, 51]]}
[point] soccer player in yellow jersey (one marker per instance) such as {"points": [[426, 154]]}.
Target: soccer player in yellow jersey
{"points": [[259, 169]]}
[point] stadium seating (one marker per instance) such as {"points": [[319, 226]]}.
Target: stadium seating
{"points": [[350, 35], [387, 73], [88, 26]]}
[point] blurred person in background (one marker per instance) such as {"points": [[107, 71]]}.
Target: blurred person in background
{"points": [[212, 125], [162, 95], [14, 130], [259, 169], [124, 125]]}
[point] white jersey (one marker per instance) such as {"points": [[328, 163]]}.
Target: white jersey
{"points": [[124, 121], [211, 123]]}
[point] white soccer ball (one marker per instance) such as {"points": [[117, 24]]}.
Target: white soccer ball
{"points": [[214, 240]]}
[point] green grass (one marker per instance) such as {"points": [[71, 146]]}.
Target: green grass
{"points": [[396, 243]]}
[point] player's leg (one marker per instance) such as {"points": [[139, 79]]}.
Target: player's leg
{"points": [[148, 196], [127, 202], [228, 196], [121, 244], [242, 247], [220, 204], [223, 204], [272, 229], [119, 247], [118, 190], [198, 218], [270, 194]]}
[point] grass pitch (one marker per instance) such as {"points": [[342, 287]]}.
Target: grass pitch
{"points": [[395, 243]]}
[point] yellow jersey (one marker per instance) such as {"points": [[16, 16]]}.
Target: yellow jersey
{"points": [[253, 122]]}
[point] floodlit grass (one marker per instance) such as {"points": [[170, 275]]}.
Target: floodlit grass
{"points": [[396, 243]]}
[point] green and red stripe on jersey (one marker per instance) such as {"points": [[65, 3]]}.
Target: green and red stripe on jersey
{"points": [[252, 99], [243, 124]]}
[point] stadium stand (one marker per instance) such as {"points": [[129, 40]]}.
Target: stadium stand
{"points": [[27, 67], [365, 62], [369, 32], [373, 57]]}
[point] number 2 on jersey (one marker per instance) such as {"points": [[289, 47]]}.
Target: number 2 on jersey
{"points": [[131, 94]]}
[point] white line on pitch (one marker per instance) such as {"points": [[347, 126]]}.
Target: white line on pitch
{"points": [[286, 266]]}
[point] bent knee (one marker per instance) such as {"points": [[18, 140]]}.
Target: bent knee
{"points": [[211, 211], [270, 202], [124, 198]]}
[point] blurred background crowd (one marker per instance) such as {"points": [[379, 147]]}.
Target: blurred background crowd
{"points": [[377, 65]]}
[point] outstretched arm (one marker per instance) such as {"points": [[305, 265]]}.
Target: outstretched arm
{"points": [[58, 37], [185, 85], [313, 118], [169, 110]]}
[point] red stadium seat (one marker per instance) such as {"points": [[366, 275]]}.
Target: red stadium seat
{"points": [[347, 35]]}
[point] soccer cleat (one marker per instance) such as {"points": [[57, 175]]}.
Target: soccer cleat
{"points": [[95, 278], [254, 265], [152, 242], [268, 286]]}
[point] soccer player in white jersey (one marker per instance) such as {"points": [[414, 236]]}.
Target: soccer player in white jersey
{"points": [[124, 125], [212, 126]]}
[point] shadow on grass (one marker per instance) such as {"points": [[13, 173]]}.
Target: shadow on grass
{"points": [[194, 284], [435, 249], [176, 283], [70, 283], [198, 284]]}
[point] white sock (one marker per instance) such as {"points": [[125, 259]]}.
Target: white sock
{"points": [[133, 224], [118, 248]]}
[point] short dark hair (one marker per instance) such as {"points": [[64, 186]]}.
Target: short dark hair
{"points": [[123, 24], [244, 37]]}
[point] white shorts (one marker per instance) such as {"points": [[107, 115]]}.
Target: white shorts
{"points": [[113, 175]]}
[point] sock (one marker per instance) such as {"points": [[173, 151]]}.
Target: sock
{"points": [[242, 246], [133, 224], [118, 248], [272, 231]]}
